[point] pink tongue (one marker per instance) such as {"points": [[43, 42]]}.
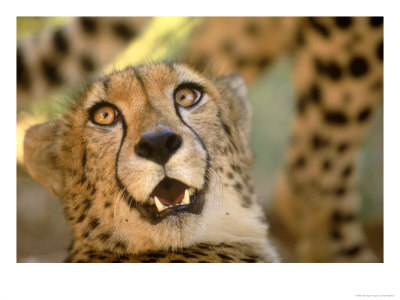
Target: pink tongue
{"points": [[169, 191]]}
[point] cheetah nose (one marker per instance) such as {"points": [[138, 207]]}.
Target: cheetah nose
{"points": [[158, 146]]}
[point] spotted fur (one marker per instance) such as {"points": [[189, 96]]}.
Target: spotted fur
{"points": [[338, 75], [104, 184]]}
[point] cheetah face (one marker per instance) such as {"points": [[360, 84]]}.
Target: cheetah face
{"points": [[134, 156], [161, 163]]}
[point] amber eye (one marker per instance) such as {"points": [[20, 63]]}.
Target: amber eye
{"points": [[187, 97], [105, 115]]}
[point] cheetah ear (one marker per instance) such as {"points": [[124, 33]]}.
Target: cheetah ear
{"points": [[233, 92], [40, 155]]}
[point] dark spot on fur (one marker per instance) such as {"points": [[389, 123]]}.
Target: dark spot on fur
{"points": [[23, 78], [252, 28], [315, 93], [376, 21], [151, 260], [333, 71], [300, 162], [335, 117], [246, 201], [248, 260], [107, 204], [88, 25], [342, 147], [262, 62], [177, 261], [116, 261], [379, 51], [343, 22], [81, 218], [93, 191], [228, 46], [236, 168], [318, 142], [241, 61], [121, 245], [302, 104], [338, 217], [104, 236], [82, 180], [364, 115], [223, 256], [238, 186], [300, 40], [352, 250], [358, 66], [87, 203], [347, 171], [155, 255], [86, 234], [320, 28], [188, 255], [50, 72], [203, 246], [198, 252], [60, 41], [227, 129], [89, 252], [203, 261], [340, 191], [94, 222], [123, 31], [87, 63], [326, 165], [335, 234], [201, 62]]}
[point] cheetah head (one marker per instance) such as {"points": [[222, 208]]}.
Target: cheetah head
{"points": [[137, 159]]}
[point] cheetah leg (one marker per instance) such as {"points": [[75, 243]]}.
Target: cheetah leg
{"points": [[338, 81]]}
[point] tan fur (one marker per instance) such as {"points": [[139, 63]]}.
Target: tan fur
{"points": [[88, 157], [307, 197]]}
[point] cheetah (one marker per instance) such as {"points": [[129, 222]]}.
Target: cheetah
{"points": [[152, 164], [338, 78]]}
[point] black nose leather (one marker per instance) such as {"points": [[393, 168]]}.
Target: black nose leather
{"points": [[158, 146]]}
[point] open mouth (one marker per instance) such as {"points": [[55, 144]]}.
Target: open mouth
{"points": [[171, 197]]}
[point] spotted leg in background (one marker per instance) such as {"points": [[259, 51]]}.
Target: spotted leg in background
{"points": [[338, 78]]}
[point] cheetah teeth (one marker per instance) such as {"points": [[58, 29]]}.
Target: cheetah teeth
{"points": [[186, 199], [161, 207]]}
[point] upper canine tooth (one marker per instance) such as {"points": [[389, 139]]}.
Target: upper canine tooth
{"points": [[186, 199], [160, 206]]}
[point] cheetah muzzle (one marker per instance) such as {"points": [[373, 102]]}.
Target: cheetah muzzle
{"points": [[169, 198]]}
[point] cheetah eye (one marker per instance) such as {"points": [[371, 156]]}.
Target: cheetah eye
{"points": [[104, 115], [187, 96]]}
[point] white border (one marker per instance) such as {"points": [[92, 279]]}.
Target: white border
{"points": [[278, 281]]}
